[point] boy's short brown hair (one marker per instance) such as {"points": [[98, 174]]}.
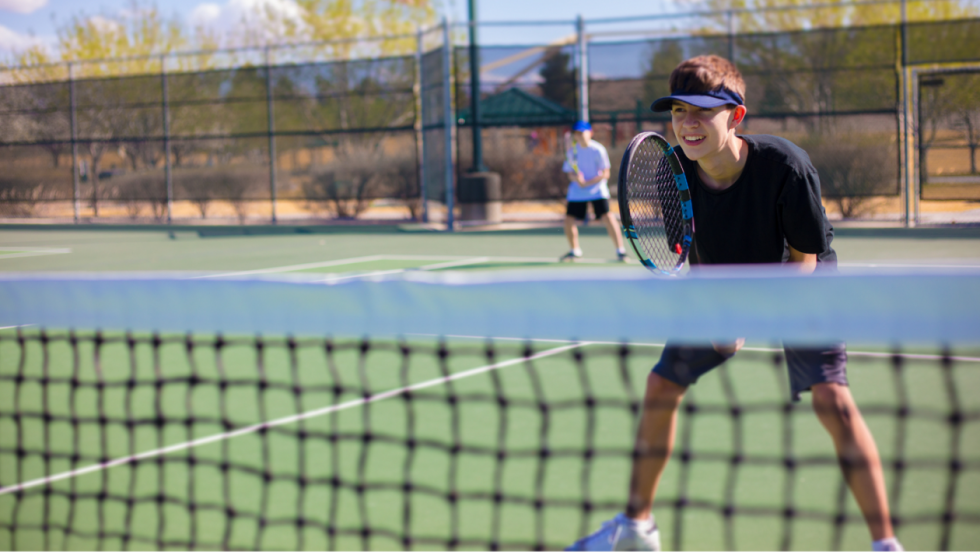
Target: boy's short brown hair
{"points": [[705, 74]]}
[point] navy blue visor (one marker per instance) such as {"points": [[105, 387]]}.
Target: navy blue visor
{"points": [[705, 100]]}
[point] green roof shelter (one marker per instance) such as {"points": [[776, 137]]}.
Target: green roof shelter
{"points": [[515, 107]]}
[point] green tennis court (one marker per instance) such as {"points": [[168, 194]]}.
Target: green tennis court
{"points": [[454, 441]]}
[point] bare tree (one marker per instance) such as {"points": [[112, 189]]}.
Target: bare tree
{"points": [[349, 183], [852, 173]]}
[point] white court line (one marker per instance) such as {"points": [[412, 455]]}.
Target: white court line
{"points": [[450, 264], [281, 421], [872, 354], [353, 260], [914, 356], [333, 279], [17, 326], [449, 259], [536, 340], [337, 262], [30, 252]]}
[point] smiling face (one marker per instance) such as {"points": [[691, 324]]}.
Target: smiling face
{"points": [[703, 132], [583, 138]]}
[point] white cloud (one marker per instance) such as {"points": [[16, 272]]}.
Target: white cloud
{"points": [[266, 20], [104, 24], [22, 6], [13, 41], [205, 15]]}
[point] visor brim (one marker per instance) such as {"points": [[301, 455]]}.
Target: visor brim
{"points": [[697, 100]]}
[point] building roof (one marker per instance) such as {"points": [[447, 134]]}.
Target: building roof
{"points": [[517, 107]]}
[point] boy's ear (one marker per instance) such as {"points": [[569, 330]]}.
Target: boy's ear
{"points": [[738, 115]]}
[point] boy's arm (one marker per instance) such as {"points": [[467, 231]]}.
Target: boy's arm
{"points": [[603, 175], [806, 262]]}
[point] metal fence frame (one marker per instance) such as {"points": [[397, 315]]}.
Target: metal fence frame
{"points": [[907, 77]]}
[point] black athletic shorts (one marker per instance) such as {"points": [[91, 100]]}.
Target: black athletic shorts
{"points": [[807, 366], [577, 208]]}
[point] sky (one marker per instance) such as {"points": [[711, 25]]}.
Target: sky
{"points": [[24, 22]]}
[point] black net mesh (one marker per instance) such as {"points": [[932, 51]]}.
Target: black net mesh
{"points": [[206, 441]]}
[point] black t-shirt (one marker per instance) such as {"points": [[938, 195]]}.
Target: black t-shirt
{"points": [[774, 203]]}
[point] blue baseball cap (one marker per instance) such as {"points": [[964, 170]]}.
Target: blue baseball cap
{"points": [[705, 100], [581, 126]]}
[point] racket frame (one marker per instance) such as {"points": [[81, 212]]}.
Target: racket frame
{"points": [[684, 191]]}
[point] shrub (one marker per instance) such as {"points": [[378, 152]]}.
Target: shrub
{"points": [[851, 172], [137, 189], [524, 174], [237, 184], [21, 190], [358, 175]]}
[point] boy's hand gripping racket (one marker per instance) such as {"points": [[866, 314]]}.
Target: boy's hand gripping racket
{"points": [[571, 152], [655, 204]]}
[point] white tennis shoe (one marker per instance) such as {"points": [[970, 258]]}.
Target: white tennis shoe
{"points": [[622, 533]]}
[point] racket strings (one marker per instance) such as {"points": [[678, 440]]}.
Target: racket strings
{"points": [[655, 206]]}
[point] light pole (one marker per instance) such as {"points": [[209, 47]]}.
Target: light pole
{"points": [[478, 165], [479, 189]]}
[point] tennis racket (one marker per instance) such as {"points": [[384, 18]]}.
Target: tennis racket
{"points": [[655, 204], [571, 151]]}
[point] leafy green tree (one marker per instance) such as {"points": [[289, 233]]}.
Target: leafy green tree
{"points": [[663, 58], [559, 79]]}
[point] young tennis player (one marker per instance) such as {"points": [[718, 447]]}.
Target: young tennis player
{"points": [[588, 173], [756, 199]]}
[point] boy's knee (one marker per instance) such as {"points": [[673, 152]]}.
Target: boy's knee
{"points": [[832, 402], [662, 389]]}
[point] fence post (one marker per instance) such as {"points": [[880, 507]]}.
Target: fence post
{"points": [[76, 185], [910, 197], [167, 167], [271, 130], [419, 122], [448, 123], [583, 71]]}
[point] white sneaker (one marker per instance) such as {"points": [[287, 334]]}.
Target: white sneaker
{"points": [[622, 533], [887, 545]]}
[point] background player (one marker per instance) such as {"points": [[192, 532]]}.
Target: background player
{"points": [[756, 200], [587, 185]]}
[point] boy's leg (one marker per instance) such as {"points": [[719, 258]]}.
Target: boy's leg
{"points": [[823, 371], [654, 443], [679, 367], [601, 208], [857, 452], [613, 228], [574, 212], [571, 232]]}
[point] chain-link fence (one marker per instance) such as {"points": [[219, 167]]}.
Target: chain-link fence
{"points": [[272, 135], [382, 128]]}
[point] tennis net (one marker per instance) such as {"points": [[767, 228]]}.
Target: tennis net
{"points": [[469, 412]]}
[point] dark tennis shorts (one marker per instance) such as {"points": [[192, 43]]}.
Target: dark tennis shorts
{"points": [[577, 208], [684, 364]]}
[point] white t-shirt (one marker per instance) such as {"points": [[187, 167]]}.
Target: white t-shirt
{"points": [[591, 161]]}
